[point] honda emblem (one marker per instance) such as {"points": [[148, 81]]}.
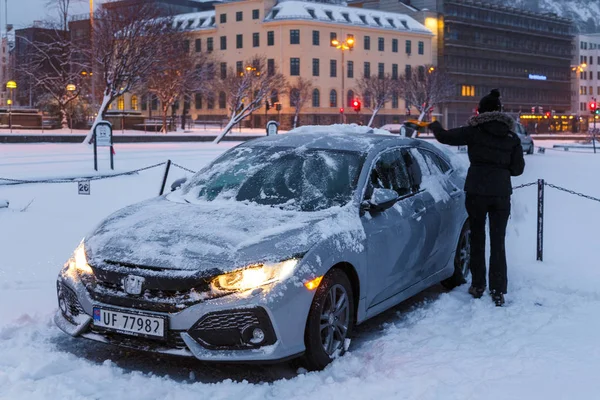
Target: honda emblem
{"points": [[133, 284]]}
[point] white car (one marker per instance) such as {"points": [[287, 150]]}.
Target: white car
{"points": [[526, 140]]}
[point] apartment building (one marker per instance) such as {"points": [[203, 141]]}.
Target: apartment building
{"points": [[585, 74], [295, 38]]}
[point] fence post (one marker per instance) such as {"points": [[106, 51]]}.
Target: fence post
{"points": [[540, 220], [164, 181]]}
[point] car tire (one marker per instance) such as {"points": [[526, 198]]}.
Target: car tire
{"points": [[461, 259], [530, 150], [324, 327]]}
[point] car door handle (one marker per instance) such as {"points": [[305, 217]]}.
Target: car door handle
{"points": [[419, 212], [456, 192]]}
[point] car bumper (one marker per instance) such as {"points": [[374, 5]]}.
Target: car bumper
{"points": [[285, 316]]}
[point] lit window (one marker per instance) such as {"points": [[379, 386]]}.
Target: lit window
{"points": [[121, 103], [134, 103], [468, 91]]}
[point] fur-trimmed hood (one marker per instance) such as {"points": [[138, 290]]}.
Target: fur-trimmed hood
{"points": [[495, 116]]}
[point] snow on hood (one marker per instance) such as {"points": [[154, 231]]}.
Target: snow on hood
{"points": [[216, 235]]}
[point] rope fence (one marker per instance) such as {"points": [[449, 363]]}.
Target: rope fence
{"points": [[541, 184]]}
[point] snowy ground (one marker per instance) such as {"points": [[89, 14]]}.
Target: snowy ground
{"points": [[439, 345]]}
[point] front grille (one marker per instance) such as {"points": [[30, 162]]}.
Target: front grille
{"points": [[150, 299], [232, 320], [172, 341]]}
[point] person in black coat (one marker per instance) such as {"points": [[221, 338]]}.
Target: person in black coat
{"points": [[495, 154]]}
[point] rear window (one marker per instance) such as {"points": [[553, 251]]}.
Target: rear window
{"points": [[434, 163]]}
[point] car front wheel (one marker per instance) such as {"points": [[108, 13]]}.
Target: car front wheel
{"points": [[330, 320]]}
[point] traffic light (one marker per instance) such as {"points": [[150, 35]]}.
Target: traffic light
{"points": [[267, 105], [548, 114], [356, 105], [593, 106], [342, 110]]}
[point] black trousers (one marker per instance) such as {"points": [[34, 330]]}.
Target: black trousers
{"points": [[498, 210]]}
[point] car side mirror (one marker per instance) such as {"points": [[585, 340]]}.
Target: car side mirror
{"points": [[178, 183], [382, 199]]}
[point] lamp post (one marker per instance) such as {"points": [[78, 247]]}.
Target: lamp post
{"points": [[576, 87], [71, 88], [10, 85], [347, 44]]}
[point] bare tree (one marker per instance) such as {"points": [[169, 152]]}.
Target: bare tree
{"points": [[427, 89], [124, 49], [248, 90], [63, 9], [300, 93], [376, 91], [177, 73], [51, 67]]}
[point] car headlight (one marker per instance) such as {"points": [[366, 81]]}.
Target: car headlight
{"points": [[78, 261], [254, 276]]}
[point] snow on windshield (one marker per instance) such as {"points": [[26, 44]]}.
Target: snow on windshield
{"points": [[288, 178]]}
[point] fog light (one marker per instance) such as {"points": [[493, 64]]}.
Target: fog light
{"points": [[258, 336]]}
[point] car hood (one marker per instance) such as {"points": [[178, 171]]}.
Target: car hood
{"points": [[213, 237]]}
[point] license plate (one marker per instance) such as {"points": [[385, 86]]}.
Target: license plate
{"points": [[130, 323]]}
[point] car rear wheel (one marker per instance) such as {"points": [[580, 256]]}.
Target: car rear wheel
{"points": [[462, 259], [330, 320], [530, 150]]}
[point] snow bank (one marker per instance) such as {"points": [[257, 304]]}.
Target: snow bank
{"points": [[3, 203], [438, 345]]}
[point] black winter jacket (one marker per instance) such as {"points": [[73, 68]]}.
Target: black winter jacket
{"points": [[494, 150]]}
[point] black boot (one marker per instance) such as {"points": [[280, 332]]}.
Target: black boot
{"points": [[498, 298], [476, 292]]}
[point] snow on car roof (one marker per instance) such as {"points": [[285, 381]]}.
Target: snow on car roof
{"points": [[334, 137]]}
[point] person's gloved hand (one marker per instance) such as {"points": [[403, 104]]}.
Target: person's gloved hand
{"points": [[420, 124]]}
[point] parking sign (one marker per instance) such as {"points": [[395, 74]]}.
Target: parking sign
{"points": [[103, 132]]}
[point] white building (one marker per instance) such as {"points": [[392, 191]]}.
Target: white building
{"points": [[586, 74]]}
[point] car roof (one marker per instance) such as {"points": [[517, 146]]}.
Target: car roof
{"points": [[339, 140]]}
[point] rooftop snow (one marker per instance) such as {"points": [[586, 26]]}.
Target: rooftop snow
{"points": [[195, 21], [329, 13]]}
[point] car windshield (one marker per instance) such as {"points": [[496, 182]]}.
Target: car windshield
{"points": [[290, 178]]}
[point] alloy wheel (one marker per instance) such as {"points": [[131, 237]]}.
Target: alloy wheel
{"points": [[335, 319], [464, 256]]}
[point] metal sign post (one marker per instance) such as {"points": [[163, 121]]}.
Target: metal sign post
{"points": [[272, 127], [103, 137]]}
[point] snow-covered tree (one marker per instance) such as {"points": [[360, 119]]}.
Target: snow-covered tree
{"points": [[248, 89], [177, 73], [427, 88], [51, 67], [299, 92], [376, 91], [124, 49]]}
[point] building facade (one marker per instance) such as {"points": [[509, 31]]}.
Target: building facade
{"points": [[585, 67], [525, 54], [295, 38]]}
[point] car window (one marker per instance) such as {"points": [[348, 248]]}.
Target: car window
{"points": [[288, 178], [390, 172], [433, 163]]}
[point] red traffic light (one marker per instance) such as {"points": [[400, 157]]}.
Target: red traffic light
{"points": [[593, 106], [342, 110], [548, 114], [356, 105]]}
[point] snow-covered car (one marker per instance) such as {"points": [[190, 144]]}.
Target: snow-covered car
{"points": [[273, 251], [526, 140]]}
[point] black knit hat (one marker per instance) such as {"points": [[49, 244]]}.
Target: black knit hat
{"points": [[491, 102]]}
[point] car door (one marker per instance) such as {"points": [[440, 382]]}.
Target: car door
{"points": [[394, 237], [445, 210]]}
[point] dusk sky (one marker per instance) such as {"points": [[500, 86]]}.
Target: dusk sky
{"points": [[22, 13]]}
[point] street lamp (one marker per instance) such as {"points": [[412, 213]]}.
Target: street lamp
{"points": [[347, 44], [71, 88], [10, 85]]}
